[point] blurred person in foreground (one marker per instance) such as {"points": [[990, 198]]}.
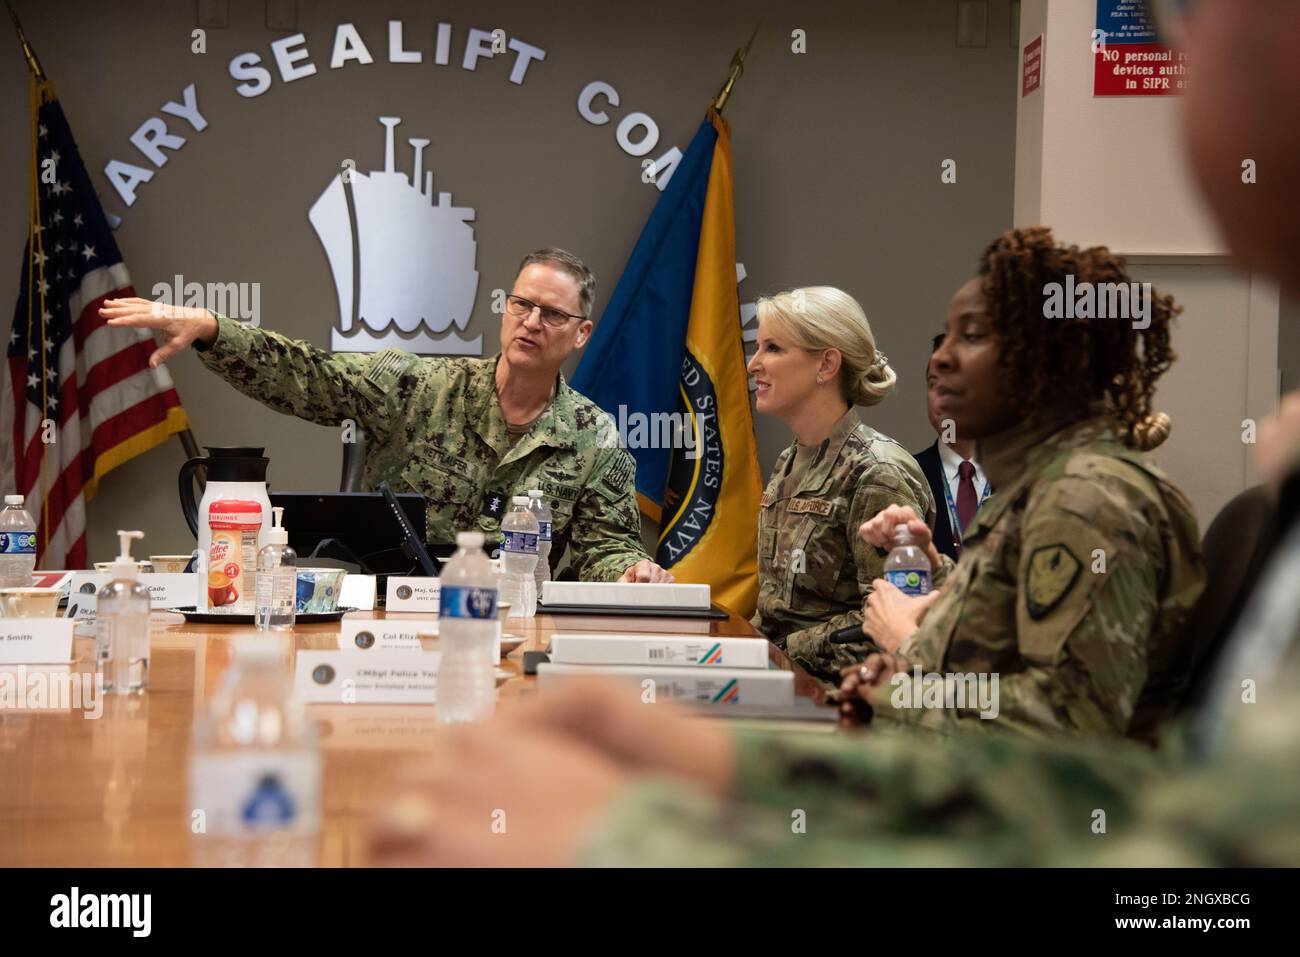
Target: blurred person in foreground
{"points": [[590, 777]]}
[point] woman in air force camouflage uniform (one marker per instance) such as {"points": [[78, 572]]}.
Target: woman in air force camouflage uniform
{"points": [[816, 360]]}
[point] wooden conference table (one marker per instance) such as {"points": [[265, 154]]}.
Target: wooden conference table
{"points": [[111, 791]]}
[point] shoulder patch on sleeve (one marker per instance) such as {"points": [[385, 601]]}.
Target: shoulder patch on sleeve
{"points": [[620, 473], [1053, 570], [615, 482], [387, 367]]}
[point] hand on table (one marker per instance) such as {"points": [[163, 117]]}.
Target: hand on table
{"points": [[546, 770], [649, 738], [180, 324], [646, 571], [492, 797], [889, 616], [857, 682]]}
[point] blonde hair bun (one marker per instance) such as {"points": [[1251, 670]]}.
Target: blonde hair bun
{"points": [[816, 318]]}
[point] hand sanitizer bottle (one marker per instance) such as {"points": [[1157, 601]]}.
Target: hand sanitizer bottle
{"points": [[122, 624], [277, 576]]}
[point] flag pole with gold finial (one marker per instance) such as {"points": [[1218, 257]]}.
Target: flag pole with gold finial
{"points": [[33, 62], [737, 68]]}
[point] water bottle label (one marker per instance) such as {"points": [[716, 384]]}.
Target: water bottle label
{"points": [[18, 543], [256, 792], [522, 542], [909, 582], [544, 532], [459, 602]]}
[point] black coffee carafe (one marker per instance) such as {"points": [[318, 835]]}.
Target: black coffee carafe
{"points": [[232, 472]]}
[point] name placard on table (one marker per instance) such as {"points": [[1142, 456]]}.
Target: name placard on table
{"points": [[31, 641], [386, 634], [362, 677], [166, 590], [413, 594]]}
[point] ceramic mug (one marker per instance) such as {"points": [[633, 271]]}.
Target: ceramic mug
{"points": [[170, 564], [29, 602], [143, 566]]}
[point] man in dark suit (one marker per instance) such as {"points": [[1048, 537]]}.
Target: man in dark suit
{"points": [[957, 482]]}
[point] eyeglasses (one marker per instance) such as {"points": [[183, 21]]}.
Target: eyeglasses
{"points": [[521, 308]]}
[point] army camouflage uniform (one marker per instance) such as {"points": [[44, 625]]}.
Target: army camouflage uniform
{"points": [[434, 426], [1074, 586], [916, 799], [814, 572]]}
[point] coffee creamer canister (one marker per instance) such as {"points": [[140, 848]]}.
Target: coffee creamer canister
{"points": [[233, 526]]}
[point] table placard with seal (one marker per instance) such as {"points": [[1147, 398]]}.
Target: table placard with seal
{"points": [[166, 590], [361, 677], [385, 634], [413, 594], [83, 594]]}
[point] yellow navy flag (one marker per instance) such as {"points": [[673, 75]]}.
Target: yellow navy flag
{"points": [[668, 349]]}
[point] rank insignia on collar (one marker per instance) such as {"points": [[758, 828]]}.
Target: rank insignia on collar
{"points": [[494, 504], [1053, 570]]}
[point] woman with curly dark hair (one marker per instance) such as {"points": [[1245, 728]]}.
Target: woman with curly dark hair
{"points": [[1078, 574]]}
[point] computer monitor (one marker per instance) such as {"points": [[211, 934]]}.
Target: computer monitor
{"points": [[356, 527]]}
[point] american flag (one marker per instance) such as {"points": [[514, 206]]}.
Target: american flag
{"points": [[80, 397]]}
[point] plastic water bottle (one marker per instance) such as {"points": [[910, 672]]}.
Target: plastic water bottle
{"points": [[277, 579], [255, 767], [906, 566], [519, 559], [537, 505], [467, 634], [17, 544]]}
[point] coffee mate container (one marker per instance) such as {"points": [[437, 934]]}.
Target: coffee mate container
{"points": [[233, 529], [224, 522]]}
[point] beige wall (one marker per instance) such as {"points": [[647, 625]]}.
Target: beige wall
{"points": [[1111, 171], [1101, 170], [1226, 340], [837, 164]]}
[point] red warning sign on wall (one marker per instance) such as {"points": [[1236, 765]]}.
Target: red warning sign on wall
{"points": [[1128, 58], [1032, 75]]}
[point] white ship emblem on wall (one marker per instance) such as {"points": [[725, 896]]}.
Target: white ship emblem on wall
{"points": [[403, 267]]}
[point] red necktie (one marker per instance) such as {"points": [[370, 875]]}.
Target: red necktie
{"points": [[967, 502]]}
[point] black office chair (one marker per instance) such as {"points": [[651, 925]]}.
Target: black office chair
{"points": [[1236, 547], [354, 461]]}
